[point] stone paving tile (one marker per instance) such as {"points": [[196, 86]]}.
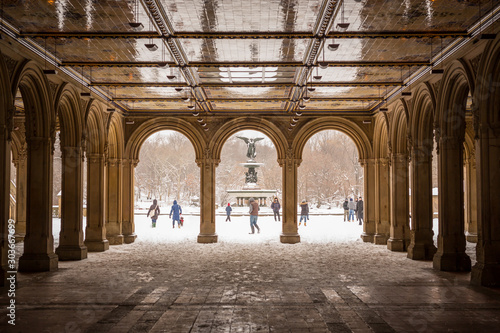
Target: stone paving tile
{"points": [[300, 288]]}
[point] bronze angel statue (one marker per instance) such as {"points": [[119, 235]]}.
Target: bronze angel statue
{"points": [[251, 146]]}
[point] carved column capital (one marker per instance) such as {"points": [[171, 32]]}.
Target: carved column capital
{"points": [[95, 158], [114, 162]]}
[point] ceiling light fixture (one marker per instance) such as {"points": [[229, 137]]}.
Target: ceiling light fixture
{"points": [[342, 26], [367, 121], [136, 25], [178, 89], [333, 46], [151, 47], [130, 122], [317, 77], [323, 64], [298, 113]]}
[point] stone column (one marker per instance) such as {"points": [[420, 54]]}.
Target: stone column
{"points": [[71, 246], [5, 155], [21, 183], [368, 200], [382, 201], [421, 235], [470, 200], [128, 200], [486, 271], [450, 255], [207, 199], [95, 232], [39, 243], [114, 232], [399, 228], [289, 178]]}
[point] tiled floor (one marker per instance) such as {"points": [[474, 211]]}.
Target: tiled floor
{"points": [[268, 287]]}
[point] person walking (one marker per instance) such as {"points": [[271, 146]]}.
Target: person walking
{"points": [[356, 209], [156, 212], [346, 209], [254, 215], [228, 212], [304, 212], [360, 210], [352, 207], [275, 206], [176, 211]]}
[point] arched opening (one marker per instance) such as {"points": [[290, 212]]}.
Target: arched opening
{"points": [[166, 171], [248, 169], [330, 173]]}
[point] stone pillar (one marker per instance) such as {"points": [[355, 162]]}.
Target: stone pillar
{"points": [[289, 178], [369, 200], [5, 155], [382, 201], [114, 232], [207, 199], [95, 232], [128, 200], [470, 200], [421, 235], [486, 271], [450, 255], [71, 246], [399, 228], [39, 243], [21, 183]]}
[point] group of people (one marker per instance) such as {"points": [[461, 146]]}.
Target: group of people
{"points": [[353, 208], [175, 214]]}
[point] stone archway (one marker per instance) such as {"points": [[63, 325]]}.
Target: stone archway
{"points": [[114, 202], [456, 84], [486, 113], [365, 151], [6, 115], [381, 185], [399, 238], [289, 234], [40, 131], [95, 144], [71, 245], [202, 157], [421, 144]]}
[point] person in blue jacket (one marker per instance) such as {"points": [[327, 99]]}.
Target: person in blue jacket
{"points": [[176, 210], [228, 212]]}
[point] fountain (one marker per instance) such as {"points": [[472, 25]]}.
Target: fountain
{"points": [[251, 189]]}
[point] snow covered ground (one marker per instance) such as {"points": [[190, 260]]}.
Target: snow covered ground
{"points": [[326, 228]]}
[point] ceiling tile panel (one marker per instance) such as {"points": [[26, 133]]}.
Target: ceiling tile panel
{"points": [[242, 15]]}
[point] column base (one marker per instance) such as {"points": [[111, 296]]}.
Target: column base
{"points": [[367, 238], [70, 252], [471, 238], [452, 262], [97, 246], [38, 263], [380, 239], [207, 238], [486, 275], [396, 245], [130, 238], [421, 251], [115, 240], [19, 237], [290, 238]]}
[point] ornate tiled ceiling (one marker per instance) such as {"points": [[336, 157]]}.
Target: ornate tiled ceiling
{"points": [[244, 56]]}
